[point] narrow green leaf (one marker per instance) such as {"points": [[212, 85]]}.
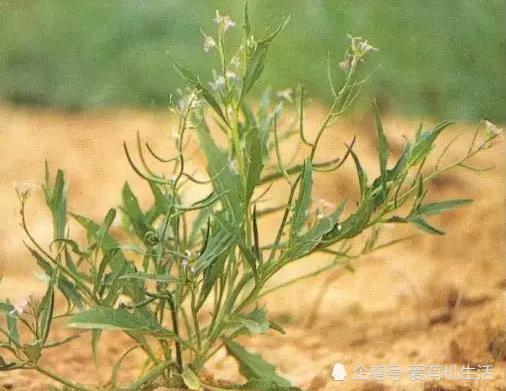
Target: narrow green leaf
{"points": [[299, 215], [438, 207], [255, 322], [401, 164], [67, 288], [424, 226], [362, 176], [11, 319], [256, 153], [106, 225], [149, 276], [247, 24], [225, 180], [195, 81], [211, 274], [46, 308], [354, 224], [256, 61], [92, 228], [104, 263], [118, 262], [56, 199], [326, 230], [219, 242], [163, 202], [425, 141], [382, 148], [130, 206], [106, 318], [237, 238]]}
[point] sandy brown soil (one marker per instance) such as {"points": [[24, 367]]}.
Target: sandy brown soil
{"points": [[428, 301]]}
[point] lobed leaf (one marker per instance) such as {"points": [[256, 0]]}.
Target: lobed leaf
{"points": [[253, 366]]}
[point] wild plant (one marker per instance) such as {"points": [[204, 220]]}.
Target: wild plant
{"points": [[187, 281]]}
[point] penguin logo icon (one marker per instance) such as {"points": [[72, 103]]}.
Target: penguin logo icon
{"points": [[338, 372]]}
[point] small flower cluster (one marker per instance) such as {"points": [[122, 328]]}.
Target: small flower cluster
{"points": [[224, 23], [188, 264], [20, 306], [189, 101], [356, 52], [492, 130], [24, 188], [220, 81], [286, 95], [209, 43], [322, 209]]}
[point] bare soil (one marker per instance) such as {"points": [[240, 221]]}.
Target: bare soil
{"points": [[426, 301]]}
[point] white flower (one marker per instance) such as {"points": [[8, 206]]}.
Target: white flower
{"points": [[209, 43], [232, 164], [25, 187], [190, 102], [194, 100], [492, 129], [365, 47], [187, 266], [360, 47], [20, 305], [230, 75], [286, 94], [224, 21], [218, 82], [324, 208]]}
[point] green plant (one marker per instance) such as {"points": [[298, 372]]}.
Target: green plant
{"points": [[209, 256]]}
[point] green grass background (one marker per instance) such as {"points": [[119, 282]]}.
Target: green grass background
{"points": [[437, 57]]}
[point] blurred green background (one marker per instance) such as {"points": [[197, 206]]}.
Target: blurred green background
{"points": [[437, 57]]}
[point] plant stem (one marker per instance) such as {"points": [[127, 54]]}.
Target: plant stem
{"points": [[151, 375], [60, 379], [175, 327]]}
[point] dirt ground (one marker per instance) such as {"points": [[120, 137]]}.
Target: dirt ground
{"points": [[430, 301]]}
